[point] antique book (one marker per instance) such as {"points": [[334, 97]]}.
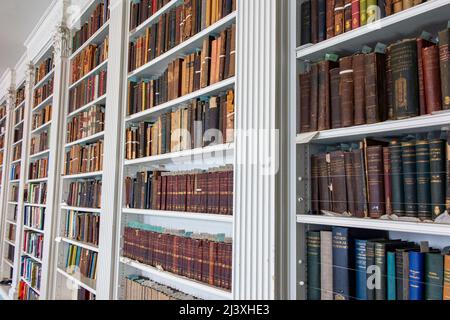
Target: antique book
{"points": [[323, 120], [338, 182], [446, 291], [434, 275], [359, 167], [342, 264], [361, 269], [387, 180], [347, 91], [423, 179], [389, 87], [359, 88], [438, 177], [416, 275], [432, 78], [363, 12], [321, 21], [356, 15], [315, 174], [306, 21], [313, 248], [444, 61], [326, 265], [375, 88], [409, 178], [314, 100], [335, 106], [339, 27], [330, 18], [350, 183], [305, 98], [324, 182], [348, 15], [374, 158], [421, 44], [314, 21], [395, 151]]}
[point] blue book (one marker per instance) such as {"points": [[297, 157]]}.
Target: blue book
{"points": [[361, 269], [391, 274], [341, 267], [322, 23], [416, 279]]}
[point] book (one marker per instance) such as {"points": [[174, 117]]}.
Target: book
{"points": [[338, 182], [409, 163], [444, 62], [314, 266], [305, 36], [434, 275], [446, 290], [359, 89], [432, 79], [326, 265], [416, 275], [391, 276], [421, 44], [423, 179], [437, 172], [375, 181], [361, 269], [347, 91]]}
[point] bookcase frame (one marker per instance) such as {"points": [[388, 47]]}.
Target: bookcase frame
{"points": [[391, 28]]}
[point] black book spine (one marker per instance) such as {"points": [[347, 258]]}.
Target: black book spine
{"points": [[438, 179], [306, 22], [409, 178], [423, 179]]}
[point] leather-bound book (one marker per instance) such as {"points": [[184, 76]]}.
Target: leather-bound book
{"points": [[363, 12], [339, 27], [361, 209], [314, 100], [330, 4], [405, 79], [359, 88], [315, 195], [395, 151], [387, 180], [389, 103], [232, 70], [338, 182], [323, 121], [360, 269], [324, 182], [305, 36], [423, 179], [375, 88], [432, 78], [321, 21], [438, 176], [375, 181], [305, 100], [421, 44], [444, 61], [335, 80], [350, 183], [356, 15], [446, 291], [348, 15], [313, 265], [388, 7], [397, 6], [408, 4], [409, 178], [314, 21], [434, 275], [347, 91]]}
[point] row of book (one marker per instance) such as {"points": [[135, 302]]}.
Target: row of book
{"points": [[213, 63], [81, 261], [88, 59], [10, 253], [174, 27], [141, 10], [349, 264], [84, 158], [43, 92], [97, 19], [25, 292], [34, 217], [11, 233], [203, 257], [194, 191], [15, 171], [18, 115], [14, 193], [36, 193], [43, 69], [201, 123], [41, 117], [33, 243], [30, 270], [16, 153], [38, 169], [138, 288], [86, 123], [365, 88], [376, 178], [39, 143], [20, 95], [81, 226], [84, 295], [18, 134], [85, 194], [325, 19], [87, 90], [2, 111]]}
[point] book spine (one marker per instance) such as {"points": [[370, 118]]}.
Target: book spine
{"points": [[341, 266], [391, 274], [347, 91], [432, 78], [338, 182], [348, 15], [370, 261], [305, 36], [359, 88], [335, 98], [315, 174], [444, 62], [326, 265], [339, 17], [363, 12], [361, 209], [446, 291], [438, 179], [380, 262], [375, 181], [421, 44], [397, 179], [305, 98], [324, 183], [423, 179], [322, 20], [323, 96], [314, 21], [356, 15], [314, 100], [434, 275], [387, 180], [361, 269], [330, 18], [313, 265], [416, 273], [409, 179], [350, 183]]}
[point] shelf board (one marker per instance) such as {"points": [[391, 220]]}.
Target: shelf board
{"points": [[38, 180], [33, 229], [18, 124], [140, 30], [80, 209], [183, 284], [32, 257], [44, 79], [184, 156], [20, 105], [99, 100], [96, 38], [15, 181], [17, 142], [83, 175], [15, 161], [377, 224], [11, 222], [4, 292], [86, 140], [431, 16], [29, 285], [44, 103], [15, 203], [35, 205], [170, 105], [180, 215], [159, 64], [85, 283], [42, 154], [42, 127], [8, 262], [78, 243], [98, 68], [10, 243], [424, 123]]}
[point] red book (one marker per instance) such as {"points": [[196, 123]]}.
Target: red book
{"points": [[355, 14]]}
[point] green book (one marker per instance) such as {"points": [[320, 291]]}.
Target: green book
{"points": [[423, 179], [434, 275], [438, 180], [313, 265], [363, 12], [391, 274]]}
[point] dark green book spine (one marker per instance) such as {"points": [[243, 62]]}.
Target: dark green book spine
{"points": [[313, 265], [380, 262], [438, 173], [434, 275], [409, 178], [423, 179], [398, 207]]}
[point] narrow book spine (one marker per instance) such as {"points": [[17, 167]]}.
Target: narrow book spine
{"points": [[409, 178], [375, 181], [361, 268], [387, 180], [305, 99], [338, 182], [326, 266], [356, 15], [347, 91], [341, 266], [432, 78], [434, 275], [397, 179], [444, 61], [313, 265], [359, 88], [335, 79], [438, 182], [416, 273], [423, 179]]}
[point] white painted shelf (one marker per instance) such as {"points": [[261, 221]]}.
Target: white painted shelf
{"points": [[44, 79], [80, 209], [96, 38], [29, 285], [17, 142], [180, 215], [78, 244], [99, 100], [33, 229], [42, 154], [20, 105], [9, 263], [43, 127], [183, 284], [18, 124], [32, 257], [35, 205], [84, 283], [83, 175], [91, 138], [10, 243], [38, 180], [11, 222], [44, 103]]}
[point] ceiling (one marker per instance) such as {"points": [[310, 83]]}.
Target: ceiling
{"points": [[17, 19]]}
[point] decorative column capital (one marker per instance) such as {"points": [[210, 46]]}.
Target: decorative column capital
{"points": [[11, 97], [29, 76], [61, 43]]}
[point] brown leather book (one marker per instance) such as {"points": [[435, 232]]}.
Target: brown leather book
{"points": [[397, 6], [408, 4], [339, 27], [375, 180], [375, 88], [305, 99], [348, 15], [389, 95], [314, 21], [359, 88], [315, 195], [421, 44], [338, 182], [432, 78], [335, 80], [232, 70], [324, 182], [350, 183], [314, 111], [347, 91], [206, 62], [330, 18], [324, 96], [444, 60], [387, 180]]}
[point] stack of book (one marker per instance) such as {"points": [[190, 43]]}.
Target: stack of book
{"points": [[33, 243], [15, 171], [140, 288], [39, 143], [34, 217], [84, 158], [38, 169], [31, 271], [345, 264], [142, 10], [26, 293], [36, 193], [18, 115], [20, 96], [86, 194], [82, 261]]}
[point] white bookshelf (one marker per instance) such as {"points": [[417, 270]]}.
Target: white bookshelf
{"points": [[431, 16]]}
